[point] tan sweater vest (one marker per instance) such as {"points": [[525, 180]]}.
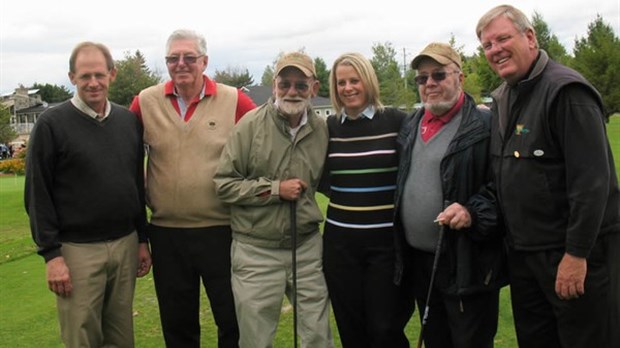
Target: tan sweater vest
{"points": [[183, 157]]}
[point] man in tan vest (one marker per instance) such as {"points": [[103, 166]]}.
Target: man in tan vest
{"points": [[187, 121]]}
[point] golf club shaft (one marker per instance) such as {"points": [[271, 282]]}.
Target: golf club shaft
{"points": [[442, 230], [294, 266]]}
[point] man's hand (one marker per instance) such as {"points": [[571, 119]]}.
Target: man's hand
{"points": [[571, 276], [455, 216], [144, 260], [291, 189], [58, 277]]}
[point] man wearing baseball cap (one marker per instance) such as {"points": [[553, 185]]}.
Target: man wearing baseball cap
{"points": [[442, 176], [274, 157]]}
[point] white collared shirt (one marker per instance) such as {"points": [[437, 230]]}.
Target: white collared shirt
{"points": [[369, 113], [303, 121], [83, 107]]}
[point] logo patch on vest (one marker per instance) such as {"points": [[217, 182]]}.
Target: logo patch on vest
{"points": [[520, 129]]}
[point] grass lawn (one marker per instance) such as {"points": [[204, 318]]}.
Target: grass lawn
{"points": [[28, 310]]}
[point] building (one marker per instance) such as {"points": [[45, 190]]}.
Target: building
{"points": [[25, 105], [260, 94]]}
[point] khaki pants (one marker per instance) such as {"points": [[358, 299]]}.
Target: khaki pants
{"points": [[99, 311], [260, 279]]}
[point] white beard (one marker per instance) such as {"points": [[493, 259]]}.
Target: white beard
{"points": [[292, 108]]}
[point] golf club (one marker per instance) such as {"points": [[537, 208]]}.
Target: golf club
{"points": [[294, 262], [442, 229]]}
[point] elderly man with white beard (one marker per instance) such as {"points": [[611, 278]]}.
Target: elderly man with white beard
{"points": [[275, 156]]}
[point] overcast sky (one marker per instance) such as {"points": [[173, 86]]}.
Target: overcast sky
{"points": [[36, 37]]}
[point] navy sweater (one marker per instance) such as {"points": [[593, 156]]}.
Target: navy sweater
{"points": [[362, 164], [84, 178]]}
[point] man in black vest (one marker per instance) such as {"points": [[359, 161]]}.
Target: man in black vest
{"points": [[557, 190]]}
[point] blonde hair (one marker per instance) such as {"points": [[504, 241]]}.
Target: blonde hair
{"points": [[367, 74]]}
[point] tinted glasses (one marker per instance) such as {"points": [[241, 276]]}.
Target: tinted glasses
{"points": [[436, 75], [299, 86], [187, 59]]}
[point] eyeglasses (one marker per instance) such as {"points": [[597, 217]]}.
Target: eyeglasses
{"points": [[299, 86], [187, 59], [436, 75]]}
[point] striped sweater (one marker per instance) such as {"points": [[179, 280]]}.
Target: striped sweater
{"points": [[362, 164]]}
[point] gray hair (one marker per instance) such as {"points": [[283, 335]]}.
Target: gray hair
{"points": [[516, 16], [186, 34]]}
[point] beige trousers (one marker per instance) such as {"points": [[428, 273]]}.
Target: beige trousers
{"points": [[99, 311], [260, 279]]}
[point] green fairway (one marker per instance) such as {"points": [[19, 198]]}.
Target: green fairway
{"points": [[28, 309]]}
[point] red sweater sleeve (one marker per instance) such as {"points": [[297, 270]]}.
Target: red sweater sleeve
{"points": [[244, 104], [135, 107]]}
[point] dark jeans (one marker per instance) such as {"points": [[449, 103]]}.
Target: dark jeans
{"points": [[462, 322], [370, 310], [541, 318], [181, 258]]}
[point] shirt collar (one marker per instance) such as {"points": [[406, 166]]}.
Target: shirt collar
{"points": [[369, 113], [83, 107], [209, 89]]}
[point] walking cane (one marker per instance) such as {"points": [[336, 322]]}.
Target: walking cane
{"points": [[294, 261], [442, 229]]}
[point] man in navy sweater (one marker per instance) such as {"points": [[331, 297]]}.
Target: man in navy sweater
{"points": [[85, 198]]}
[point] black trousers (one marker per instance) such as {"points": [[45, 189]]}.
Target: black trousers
{"points": [[462, 322], [370, 310], [541, 318], [612, 253], [181, 258]]}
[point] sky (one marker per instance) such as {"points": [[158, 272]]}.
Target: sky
{"points": [[37, 36]]}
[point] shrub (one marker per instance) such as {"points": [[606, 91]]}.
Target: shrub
{"points": [[13, 166]]}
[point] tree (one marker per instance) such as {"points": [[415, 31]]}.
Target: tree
{"points": [[234, 76], [487, 78], [132, 76], [323, 76], [548, 41], [52, 93], [7, 133], [597, 58], [391, 83], [267, 77]]}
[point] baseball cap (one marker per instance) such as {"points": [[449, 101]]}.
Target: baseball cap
{"points": [[298, 60], [442, 53]]}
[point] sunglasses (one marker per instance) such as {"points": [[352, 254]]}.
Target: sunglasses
{"points": [[436, 75], [299, 86], [187, 59]]}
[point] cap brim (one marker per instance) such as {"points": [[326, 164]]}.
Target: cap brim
{"points": [[439, 59]]}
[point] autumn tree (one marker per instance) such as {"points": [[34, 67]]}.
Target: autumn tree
{"points": [[7, 133], [597, 58], [132, 76], [234, 76]]}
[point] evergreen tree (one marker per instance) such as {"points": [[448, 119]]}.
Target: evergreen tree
{"points": [[548, 41], [234, 76], [52, 93], [132, 76], [323, 76], [597, 58]]}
